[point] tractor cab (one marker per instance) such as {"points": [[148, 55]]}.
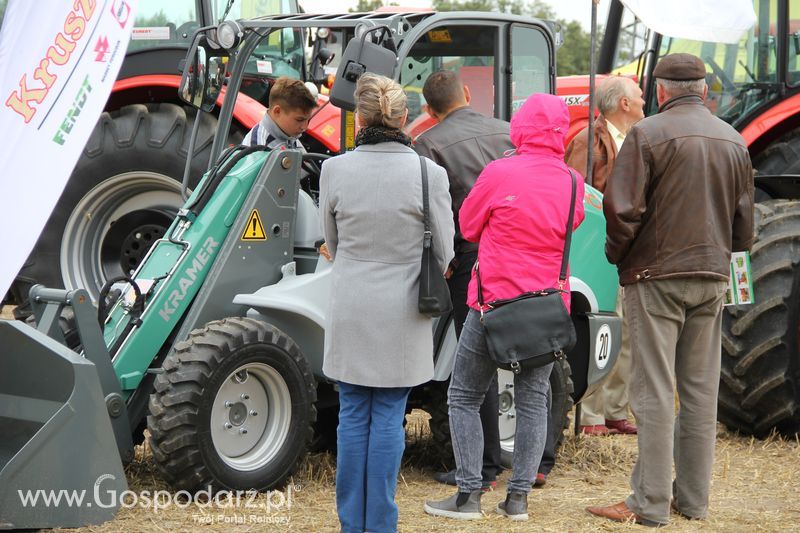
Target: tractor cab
{"points": [[477, 46]]}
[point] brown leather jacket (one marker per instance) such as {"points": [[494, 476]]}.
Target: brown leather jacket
{"points": [[464, 143], [680, 197], [603, 154]]}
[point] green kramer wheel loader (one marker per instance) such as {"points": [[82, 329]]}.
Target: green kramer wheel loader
{"points": [[215, 342]]}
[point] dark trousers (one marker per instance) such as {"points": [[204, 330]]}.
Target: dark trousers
{"points": [[459, 283]]}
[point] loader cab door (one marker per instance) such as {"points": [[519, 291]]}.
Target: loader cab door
{"points": [[500, 63]]}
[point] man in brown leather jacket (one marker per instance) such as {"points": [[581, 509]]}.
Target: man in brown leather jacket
{"points": [[679, 201], [621, 105], [620, 102], [463, 141]]}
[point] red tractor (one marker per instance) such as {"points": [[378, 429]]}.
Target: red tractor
{"points": [[755, 86]]}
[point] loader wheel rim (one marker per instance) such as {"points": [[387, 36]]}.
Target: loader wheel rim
{"points": [[507, 422], [109, 230], [251, 416]]}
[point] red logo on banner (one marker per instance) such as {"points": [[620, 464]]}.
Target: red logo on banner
{"points": [[101, 48], [121, 11]]}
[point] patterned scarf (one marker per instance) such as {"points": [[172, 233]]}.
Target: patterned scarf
{"points": [[381, 134]]}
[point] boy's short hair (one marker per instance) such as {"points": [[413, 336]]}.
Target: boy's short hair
{"points": [[291, 94], [442, 90]]}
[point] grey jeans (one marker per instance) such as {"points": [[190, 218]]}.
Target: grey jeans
{"points": [[471, 377], [675, 342]]}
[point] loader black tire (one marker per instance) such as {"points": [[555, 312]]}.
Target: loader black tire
{"points": [[439, 423], [192, 427], [561, 387], [760, 376], [122, 195]]}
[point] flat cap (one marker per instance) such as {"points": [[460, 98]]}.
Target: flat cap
{"points": [[680, 67]]}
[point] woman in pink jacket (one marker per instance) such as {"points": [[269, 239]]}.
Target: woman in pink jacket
{"points": [[518, 211]]}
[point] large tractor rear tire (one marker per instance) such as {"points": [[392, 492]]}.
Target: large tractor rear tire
{"points": [[121, 197], [561, 388], [233, 409], [760, 385]]}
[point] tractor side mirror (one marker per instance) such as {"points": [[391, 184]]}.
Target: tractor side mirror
{"points": [[203, 77], [359, 57]]}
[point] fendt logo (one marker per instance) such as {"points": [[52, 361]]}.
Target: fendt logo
{"points": [[189, 277]]}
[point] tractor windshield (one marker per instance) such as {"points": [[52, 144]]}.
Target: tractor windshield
{"points": [[471, 51], [740, 76], [161, 24]]}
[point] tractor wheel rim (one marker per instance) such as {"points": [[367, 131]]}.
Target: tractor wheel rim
{"points": [[507, 422], [112, 226], [251, 416]]}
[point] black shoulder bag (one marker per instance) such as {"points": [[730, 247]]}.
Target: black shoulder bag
{"points": [[434, 295], [534, 328]]}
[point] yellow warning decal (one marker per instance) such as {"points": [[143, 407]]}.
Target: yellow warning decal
{"points": [[349, 130], [254, 231], [440, 36]]}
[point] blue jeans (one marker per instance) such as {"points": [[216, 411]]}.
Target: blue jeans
{"points": [[370, 441], [472, 375]]}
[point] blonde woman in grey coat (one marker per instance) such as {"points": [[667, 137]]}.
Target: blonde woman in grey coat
{"points": [[377, 344]]}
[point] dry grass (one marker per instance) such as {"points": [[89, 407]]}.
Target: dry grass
{"points": [[756, 488]]}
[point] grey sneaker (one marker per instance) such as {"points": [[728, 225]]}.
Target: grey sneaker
{"points": [[515, 507], [461, 506]]}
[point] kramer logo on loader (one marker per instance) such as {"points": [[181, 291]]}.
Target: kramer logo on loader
{"points": [[190, 276], [254, 230]]}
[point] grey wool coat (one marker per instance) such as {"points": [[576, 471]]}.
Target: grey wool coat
{"points": [[371, 211]]}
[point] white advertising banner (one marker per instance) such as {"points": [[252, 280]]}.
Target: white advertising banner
{"points": [[720, 21], [58, 62]]}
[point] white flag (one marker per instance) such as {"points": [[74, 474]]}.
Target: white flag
{"points": [[58, 62], [721, 21]]}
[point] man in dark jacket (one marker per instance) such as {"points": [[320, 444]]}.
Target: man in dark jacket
{"points": [[679, 201], [464, 142], [620, 102]]}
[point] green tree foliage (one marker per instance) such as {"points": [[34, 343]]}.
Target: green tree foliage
{"points": [[3, 4], [154, 20], [573, 56], [369, 5]]}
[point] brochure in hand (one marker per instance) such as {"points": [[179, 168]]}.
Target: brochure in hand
{"points": [[740, 286]]}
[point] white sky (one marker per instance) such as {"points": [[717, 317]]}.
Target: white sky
{"points": [[580, 10]]}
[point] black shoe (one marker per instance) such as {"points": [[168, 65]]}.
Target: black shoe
{"points": [[461, 506], [449, 478], [515, 506]]}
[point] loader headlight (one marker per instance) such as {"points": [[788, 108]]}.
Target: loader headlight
{"points": [[229, 34]]}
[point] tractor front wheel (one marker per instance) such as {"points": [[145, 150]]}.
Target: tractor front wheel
{"points": [[233, 408]]}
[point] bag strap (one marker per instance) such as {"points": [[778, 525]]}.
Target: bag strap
{"points": [[562, 276], [426, 215]]}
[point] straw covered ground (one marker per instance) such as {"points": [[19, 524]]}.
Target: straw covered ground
{"points": [[756, 487]]}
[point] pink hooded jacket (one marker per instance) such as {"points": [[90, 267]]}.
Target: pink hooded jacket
{"points": [[519, 206]]}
